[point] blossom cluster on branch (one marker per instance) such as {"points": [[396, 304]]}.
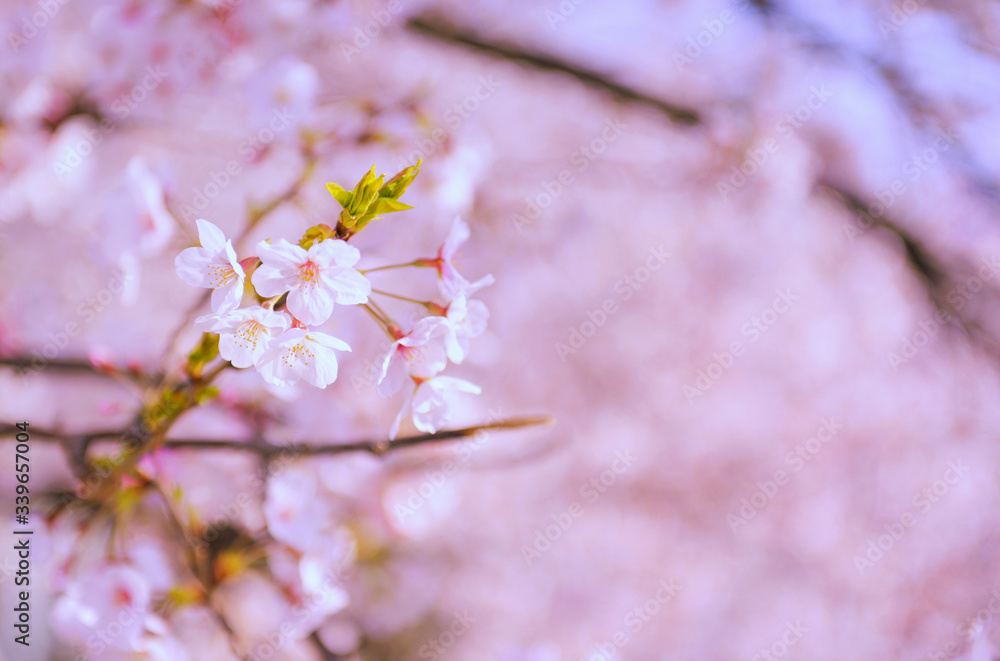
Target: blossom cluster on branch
{"points": [[295, 288]]}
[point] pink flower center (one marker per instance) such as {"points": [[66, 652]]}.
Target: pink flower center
{"points": [[122, 597], [308, 275], [414, 355]]}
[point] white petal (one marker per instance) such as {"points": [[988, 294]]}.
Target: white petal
{"points": [[393, 373], [458, 235], [347, 285], [210, 323], [455, 349], [426, 360], [321, 370], [423, 331], [452, 283], [270, 281], [452, 384], [311, 304], [192, 266], [228, 297], [211, 237], [233, 259], [484, 281], [403, 410], [241, 350], [334, 252], [329, 341], [281, 254]]}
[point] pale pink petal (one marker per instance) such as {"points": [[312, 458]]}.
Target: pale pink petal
{"points": [[458, 235], [311, 304], [334, 252], [348, 286], [269, 281], [281, 254], [192, 267], [211, 237]]}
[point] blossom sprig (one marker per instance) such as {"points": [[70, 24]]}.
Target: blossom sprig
{"points": [[297, 287]]}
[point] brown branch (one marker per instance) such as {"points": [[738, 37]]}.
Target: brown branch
{"points": [[377, 448], [268, 449], [444, 31]]}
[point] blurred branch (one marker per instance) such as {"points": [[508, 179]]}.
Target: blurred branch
{"points": [[934, 276], [268, 449], [442, 30], [919, 110], [27, 363]]}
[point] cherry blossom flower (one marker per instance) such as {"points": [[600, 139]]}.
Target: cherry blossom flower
{"points": [[431, 403], [298, 354], [463, 320], [453, 283], [113, 595], [316, 577], [295, 507], [418, 354], [315, 279], [214, 265], [244, 334]]}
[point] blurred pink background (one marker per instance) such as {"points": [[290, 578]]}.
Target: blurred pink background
{"points": [[746, 255]]}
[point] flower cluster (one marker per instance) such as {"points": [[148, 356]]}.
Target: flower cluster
{"points": [[296, 287]]}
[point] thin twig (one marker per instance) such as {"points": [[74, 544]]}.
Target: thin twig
{"points": [[377, 448]]}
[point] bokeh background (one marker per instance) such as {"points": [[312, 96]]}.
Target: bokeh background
{"points": [[746, 254]]}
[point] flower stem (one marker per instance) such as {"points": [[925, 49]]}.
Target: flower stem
{"points": [[401, 298], [393, 266], [383, 323]]}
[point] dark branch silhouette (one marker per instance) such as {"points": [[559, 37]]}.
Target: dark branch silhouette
{"points": [[444, 31]]}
